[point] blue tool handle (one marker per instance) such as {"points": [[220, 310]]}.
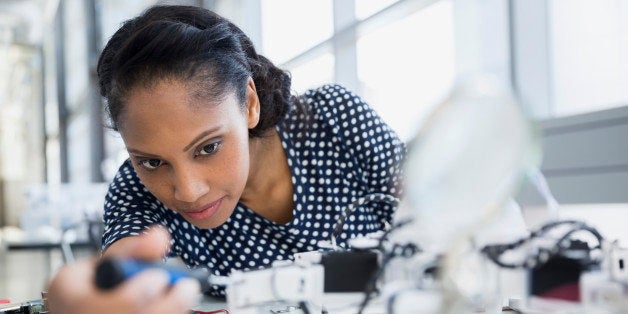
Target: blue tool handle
{"points": [[110, 272]]}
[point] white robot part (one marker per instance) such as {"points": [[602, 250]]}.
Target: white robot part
{"points": [[296, 283]]}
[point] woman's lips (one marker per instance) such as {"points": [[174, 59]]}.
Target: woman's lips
{"points": [[206, 211]]}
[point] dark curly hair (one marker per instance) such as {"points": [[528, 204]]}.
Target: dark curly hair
{"points": [[195, 45]]}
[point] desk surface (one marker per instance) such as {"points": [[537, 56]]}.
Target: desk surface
{"points": [[209, 304], [342, 303]]}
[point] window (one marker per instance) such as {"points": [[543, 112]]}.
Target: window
{"points": [[290, 27], [589, 59], [403, 65], [366, 8], [314, 73], [408, 66], [571, 70]]}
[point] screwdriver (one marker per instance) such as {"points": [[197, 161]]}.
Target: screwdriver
{"points": [[110, 272]]}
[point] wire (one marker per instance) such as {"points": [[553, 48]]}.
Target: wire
{"points": [[375, 197], [540, 183], [304, 308], [390, 303], [406, 250], [494, 252]]}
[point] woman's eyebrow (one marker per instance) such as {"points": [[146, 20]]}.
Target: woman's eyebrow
{"points": [[200, 137], [140, 153]]}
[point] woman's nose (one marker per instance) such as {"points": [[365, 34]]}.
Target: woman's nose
{"points": [[189, 185]]}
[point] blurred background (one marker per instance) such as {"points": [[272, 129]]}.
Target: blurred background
{"points": [[565, 61]]}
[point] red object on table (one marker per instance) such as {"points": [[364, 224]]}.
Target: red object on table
{"points": [[5, 301]]}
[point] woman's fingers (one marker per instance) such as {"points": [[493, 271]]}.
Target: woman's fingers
{"points": [[73, 291], [73, 288], [148, 285], [69, 286], [150, 292]]}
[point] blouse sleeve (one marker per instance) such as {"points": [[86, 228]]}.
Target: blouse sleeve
{"points": [[376, 148], [374, 144], [129, 207]]}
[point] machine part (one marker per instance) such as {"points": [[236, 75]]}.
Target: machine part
{"points": [[292, 283], [618, 260], [348, 271]]}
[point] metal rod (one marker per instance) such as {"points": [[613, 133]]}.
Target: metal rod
{"points": [[61, 95], [96, 134]]}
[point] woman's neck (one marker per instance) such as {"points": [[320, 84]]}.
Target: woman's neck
{"points": [[264, 156], [268, 190]]}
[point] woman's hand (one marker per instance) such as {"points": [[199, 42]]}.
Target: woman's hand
{"points": [[72, 290]]}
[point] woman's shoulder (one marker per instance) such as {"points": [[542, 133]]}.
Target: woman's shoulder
{"points": [[331, 101], [329, 94], [125, 173], [128, 184]]}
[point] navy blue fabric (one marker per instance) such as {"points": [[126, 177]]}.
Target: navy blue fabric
{"points": [[338, 150]]}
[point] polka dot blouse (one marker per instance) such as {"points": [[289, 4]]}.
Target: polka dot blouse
{"points": [[339, 151]]}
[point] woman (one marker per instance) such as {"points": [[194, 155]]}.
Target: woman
{"points": [[239, 170]]}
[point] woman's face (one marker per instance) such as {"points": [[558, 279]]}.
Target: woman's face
{"points": [[192, 154]]}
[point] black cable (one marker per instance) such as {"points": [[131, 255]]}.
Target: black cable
{"points": [[406, 250], [375, 197], [390, 303], [304, 308], [494, 252]]}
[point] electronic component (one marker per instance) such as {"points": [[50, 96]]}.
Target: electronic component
{"points": [[345, 271], [27, 307], [618, 258], [285, 283]]}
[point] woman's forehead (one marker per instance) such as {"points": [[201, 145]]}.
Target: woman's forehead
{"points": [[193, 94], [172, 102]]}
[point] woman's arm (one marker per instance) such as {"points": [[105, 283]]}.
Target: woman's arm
{"points": [[150, 247]]}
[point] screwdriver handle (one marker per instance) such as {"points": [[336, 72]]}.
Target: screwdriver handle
{"points": [[110, 272]]}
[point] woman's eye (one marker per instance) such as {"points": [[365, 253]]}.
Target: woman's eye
{"points": [[209, 149], [150, 163]]}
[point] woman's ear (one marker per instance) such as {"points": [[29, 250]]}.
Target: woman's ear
{"points": [[252, 104]]}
